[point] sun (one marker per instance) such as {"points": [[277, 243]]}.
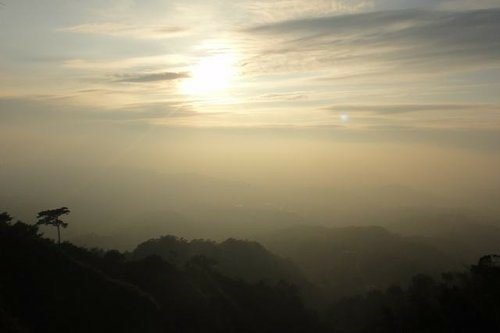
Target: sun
{"points": [[211, 75]]}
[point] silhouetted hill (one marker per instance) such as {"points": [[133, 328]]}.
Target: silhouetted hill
{"points": [[460, 235], [48, 291], [350, 260], [246, 260], [201, 222], [457, 302], [47, 288]]}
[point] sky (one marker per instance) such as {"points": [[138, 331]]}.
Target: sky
{"points": [[288, 63], [310, 92]]}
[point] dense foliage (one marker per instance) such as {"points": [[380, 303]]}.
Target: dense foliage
{"points": [[174, 285], [351, 260], [457, 302], [246, 260], [47, 288]]}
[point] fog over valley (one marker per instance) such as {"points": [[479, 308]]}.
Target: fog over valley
{"points": [[249, 166]]}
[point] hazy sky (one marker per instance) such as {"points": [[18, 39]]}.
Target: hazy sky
{"points": [[286, 63], [307, 91]]}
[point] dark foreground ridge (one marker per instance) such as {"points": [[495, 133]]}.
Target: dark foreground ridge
{"points": [[50, 288], [174, 285]]}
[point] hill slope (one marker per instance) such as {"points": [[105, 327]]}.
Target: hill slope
{"points": [[47, 288]]}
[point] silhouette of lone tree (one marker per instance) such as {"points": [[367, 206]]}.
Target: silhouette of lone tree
{"points": [[52, 217], [5, 218]]}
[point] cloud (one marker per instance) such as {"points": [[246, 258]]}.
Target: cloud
{"points": [[467, 4], [150, 77], [120, 29], [406, 108], [33, 110], [284, 96], [115, 63], [419, 116], [287, 9], [399, 41]]}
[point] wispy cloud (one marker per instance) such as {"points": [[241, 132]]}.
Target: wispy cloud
{"points": [[150, 77], [407, 108], [299, 62], [467, 4], [37, 109], [284, 96], [289, 9], [162, 60], [120, 29], [418, 116], [397, 41]]}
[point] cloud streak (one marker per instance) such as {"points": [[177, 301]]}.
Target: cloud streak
{"points": [[287, 9], [31, 110], [120, 29], [150, 77], [409, 108], [404, 40]]}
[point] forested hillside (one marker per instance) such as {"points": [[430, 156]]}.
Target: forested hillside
{"points": [[348, 280], [351, 260], [50, 288]]}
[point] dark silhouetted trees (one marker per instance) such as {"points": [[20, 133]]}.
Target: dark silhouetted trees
{"points": [[53, 217], [44, 289], [5, 218], [458, 302], [174, 285]]}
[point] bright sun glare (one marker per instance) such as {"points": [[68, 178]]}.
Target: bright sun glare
{"points": [[211, 76]]}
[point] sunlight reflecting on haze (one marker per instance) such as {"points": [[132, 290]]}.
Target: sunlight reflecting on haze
{"points": [[212, 76]]}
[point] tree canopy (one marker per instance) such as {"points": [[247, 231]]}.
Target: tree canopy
{"points": [[52, 217]]}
